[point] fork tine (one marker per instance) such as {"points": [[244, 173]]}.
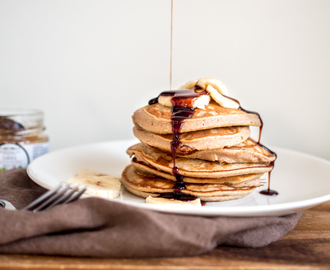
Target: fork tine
{"points": [[43, 197], [62, 200], [76, 196], [61, 194], [52, 198]]}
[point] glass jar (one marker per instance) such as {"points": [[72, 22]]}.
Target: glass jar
{"points": [[22, 137]]}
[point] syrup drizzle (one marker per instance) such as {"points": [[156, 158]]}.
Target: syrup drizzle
{"points": [[260, 120], [182, 108], [268, 191]]}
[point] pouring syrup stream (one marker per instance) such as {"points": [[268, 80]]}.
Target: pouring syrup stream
{"points": [[171, 44]]}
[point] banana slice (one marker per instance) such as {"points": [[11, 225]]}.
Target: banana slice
{"points": [[99, 184], [165, 100], [218, 85], [220, 99], [88, 172], [163, 201], [216, 89], [199, 102], [188, 85]]}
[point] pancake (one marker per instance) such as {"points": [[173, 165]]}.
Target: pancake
{"points": [[204, 199], [196, 140], [156, 118], [196, 167], [154, 186], [234, 181], [248, 151]]}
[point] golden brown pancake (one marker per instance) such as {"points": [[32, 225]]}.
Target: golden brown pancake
{"points": [[154, 186], [156, 118], [196, 140], [246, 180], [195, 167], [246, 152]]}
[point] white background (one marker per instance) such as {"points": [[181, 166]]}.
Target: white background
{"points": [[88, 64]]}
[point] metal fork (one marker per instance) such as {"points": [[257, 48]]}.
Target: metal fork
{"points": [[61, 194]]}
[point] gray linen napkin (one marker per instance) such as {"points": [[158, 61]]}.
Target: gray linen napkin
{"points": [[94, 227]]}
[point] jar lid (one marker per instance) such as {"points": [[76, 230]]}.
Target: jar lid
{"points": [[20, 119]]}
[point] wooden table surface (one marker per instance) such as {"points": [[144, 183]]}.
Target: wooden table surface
{"points": [[305, 247]]}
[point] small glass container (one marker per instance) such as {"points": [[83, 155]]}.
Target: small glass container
{"points": [[22, 137]]}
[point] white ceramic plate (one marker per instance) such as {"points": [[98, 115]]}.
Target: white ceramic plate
{"points": [[302, 180]]}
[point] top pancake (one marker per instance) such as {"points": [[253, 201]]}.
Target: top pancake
{"points": [[156, 118]]}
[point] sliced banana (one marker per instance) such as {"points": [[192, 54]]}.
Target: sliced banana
{"points": [[99, 184], [218, 85], [220, 99], [164, 201], [188, 85], [199, 102], [88, 172], [165, 100], [216, 89]]}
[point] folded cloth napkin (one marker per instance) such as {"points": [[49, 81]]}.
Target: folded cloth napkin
{"points": [[95, 227]]}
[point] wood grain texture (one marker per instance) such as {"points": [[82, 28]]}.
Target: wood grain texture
{"points": [[305, 247]]}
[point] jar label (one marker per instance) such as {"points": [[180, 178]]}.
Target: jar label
{"points": [[19, 155]]}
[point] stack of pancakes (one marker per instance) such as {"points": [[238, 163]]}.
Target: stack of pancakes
{"points": [[217, 158]]}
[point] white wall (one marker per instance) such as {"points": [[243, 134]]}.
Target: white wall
{"points": [[88, 64]]}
